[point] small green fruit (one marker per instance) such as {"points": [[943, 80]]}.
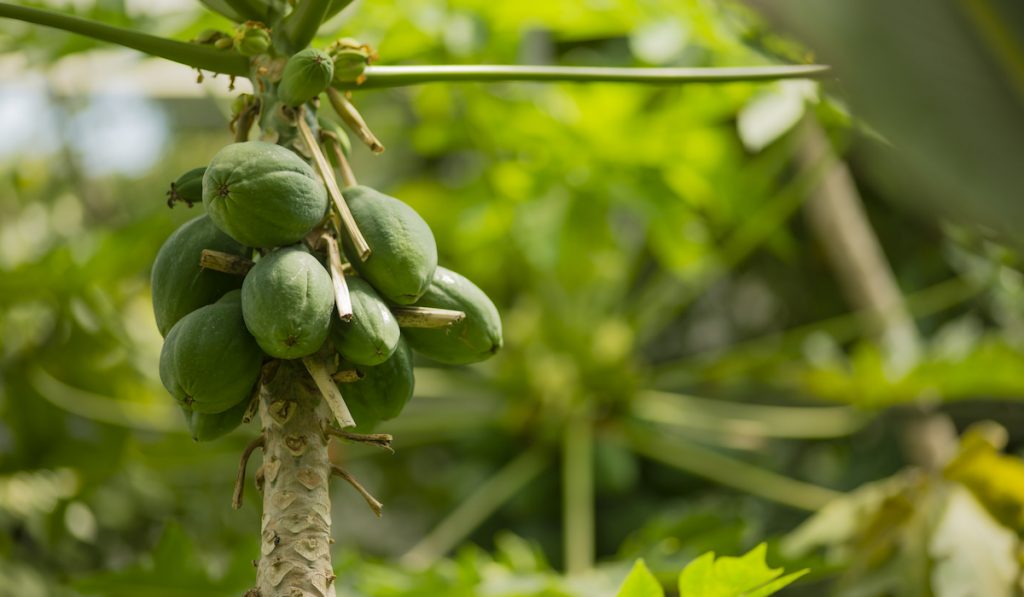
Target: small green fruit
{"points": [[404, 252], [262, 194], [179, 285], [475, 338], [209, 361], [252, 39], [287, 302], [305, 76], [188, 188], [207, 427], [372, 335], [383, 391]]}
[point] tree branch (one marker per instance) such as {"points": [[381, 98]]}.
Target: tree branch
{"points": [[397, 76], [196, 56]]}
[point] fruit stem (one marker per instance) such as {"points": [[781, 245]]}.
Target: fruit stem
{"points": [[426, 317], [225, 262], [354, 120], [347, 376], [327, 174]]}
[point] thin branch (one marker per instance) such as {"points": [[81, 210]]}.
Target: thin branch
{"points": [[379, 440], [194, 55], [354, 120], [225, 262], [488, 497], [327, 174], [398, 76], [301, 25], [371, 501], [236, 498], [341, 296], [426, 317]]}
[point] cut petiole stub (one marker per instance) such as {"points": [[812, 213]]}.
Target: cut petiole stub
{"points": [[426, 317], [327, 174], [225, 262], [341, 296], [329, 390], [371, 501], [354, 120]]}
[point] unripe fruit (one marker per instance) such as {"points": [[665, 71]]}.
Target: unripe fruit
{"points": [[305, 76], [287, 302], [252, 39], [262, 194], [188, 188]]}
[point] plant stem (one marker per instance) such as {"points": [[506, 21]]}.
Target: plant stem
{"points": [[488, 497], [196, 56], [296, 523], [727, 471], [398, 76], [301, 25], [578, 494]]}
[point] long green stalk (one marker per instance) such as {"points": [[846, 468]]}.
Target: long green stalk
{"points": [[397, 76], [728, 471], [301, 25], [471, 512], [578, 494], [196, 56]]}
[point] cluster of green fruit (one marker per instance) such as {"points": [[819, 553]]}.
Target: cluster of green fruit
{"points": [[265, 205]]}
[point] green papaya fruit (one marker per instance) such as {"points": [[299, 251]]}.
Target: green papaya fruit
{"points": [[372, 335], [287, 302], [188, 188], [235, 296], [209, 361], [473, 339], [404, 252], [179, 285], [305, 76], [206, 427], [262, 194], [384, 390]]}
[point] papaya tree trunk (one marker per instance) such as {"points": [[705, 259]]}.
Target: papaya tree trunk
{"points": [[295, 555]]}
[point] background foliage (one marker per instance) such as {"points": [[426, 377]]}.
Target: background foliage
{"points": [[670, 315]]}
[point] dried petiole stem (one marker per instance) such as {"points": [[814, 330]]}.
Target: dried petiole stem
{"points": [[348, 177], [341, 296], [236, 498], [354, 120], [426, 317], [225, 262], [371, 501], [330, 392], [327, 173], [380, 440]]}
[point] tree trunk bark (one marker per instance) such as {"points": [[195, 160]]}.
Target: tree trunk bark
{"points": [[295, 556]]}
